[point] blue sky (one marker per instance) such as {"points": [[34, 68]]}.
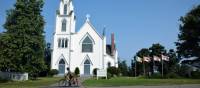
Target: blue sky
{"points": [[136, 23]]}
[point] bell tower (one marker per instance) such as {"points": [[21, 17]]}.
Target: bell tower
{"points": [[64, 29], [65, 18]]}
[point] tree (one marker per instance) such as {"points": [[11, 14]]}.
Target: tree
{"points": [[157, 50], [123, 68], [144, 52], [188, 44], [22, 44]]}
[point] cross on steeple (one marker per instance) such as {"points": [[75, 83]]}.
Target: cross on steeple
{"points": [[87, 17]]}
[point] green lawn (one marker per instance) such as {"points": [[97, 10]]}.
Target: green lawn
{"points": [[130, 81], [30, 83]]}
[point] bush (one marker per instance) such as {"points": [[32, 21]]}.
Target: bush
{"points": [[53, 72], [113, 71], [195, 74], [109, 75], [77, 71], [172, 75], [95, 71], [156, 76]]}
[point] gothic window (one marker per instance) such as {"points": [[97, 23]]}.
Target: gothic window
{"points": [[62, 43], [87, 45], [65, 9], [59, 42], [64, 23], [109, 64], [66, 43]]}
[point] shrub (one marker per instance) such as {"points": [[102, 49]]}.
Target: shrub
{"points": [[156, 76], [109, 75], [113, 71], [195, 74], [172, 75], [53, 72], [77, 71], [95, 71]]}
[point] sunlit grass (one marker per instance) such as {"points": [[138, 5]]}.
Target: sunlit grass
{"points": [[130, 81]]}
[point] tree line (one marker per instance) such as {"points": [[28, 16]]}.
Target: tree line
{"points": [[149, 62]]}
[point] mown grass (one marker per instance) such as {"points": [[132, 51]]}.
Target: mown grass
{"points": [[130, 81], [40, 82]]}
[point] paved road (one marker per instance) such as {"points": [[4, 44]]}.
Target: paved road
{"points": [[168, 86], [56, 85]]}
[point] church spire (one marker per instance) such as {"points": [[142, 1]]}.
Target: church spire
{"points": [[66, 7]]}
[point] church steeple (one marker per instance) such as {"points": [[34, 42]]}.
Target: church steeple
{"points": [[66, 7], [65, 20]]}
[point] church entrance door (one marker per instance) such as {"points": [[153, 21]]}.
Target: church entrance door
{"points": [[87, 67], [61, 67]]}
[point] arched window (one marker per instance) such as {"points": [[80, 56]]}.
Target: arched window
{"points": [[66, 43], [61, 67], [87, 45], [64, 23], [87, 67], [62, 43], [65, 9], [59, 42], [109, 64]]}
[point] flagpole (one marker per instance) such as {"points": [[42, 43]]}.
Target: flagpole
{"points": [[135, 67], [162, 65], [143, 66]]}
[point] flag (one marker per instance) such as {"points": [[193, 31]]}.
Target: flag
{"points": [[165, 58], [138, 59], [147, 59], [156, 58]]}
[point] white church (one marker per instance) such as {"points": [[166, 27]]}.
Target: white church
{"points": [[85, 48]]}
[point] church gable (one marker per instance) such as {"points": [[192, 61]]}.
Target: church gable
{"points": [[88, 28]]}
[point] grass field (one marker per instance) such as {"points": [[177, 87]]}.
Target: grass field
{"points": [[30, 83], [130, 81]]}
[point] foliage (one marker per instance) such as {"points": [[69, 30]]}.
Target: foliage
{"points": [[53, 72], [143, 52], [109, 75], [189, 37], [22, 44], [77, 71], [156, 76], [40, 82], [172, 75], [123, 68], [95, 71], [195, 74], [113, 71]]}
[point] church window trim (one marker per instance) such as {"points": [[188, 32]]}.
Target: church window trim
{"points": [[64, 25], [61, 58], [65, 9], [87, 45], [86, 58], [63, 43]]}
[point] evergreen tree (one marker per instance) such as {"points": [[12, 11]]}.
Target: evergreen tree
{"points": [[188, 44], [123, 68], [22, 44]]}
